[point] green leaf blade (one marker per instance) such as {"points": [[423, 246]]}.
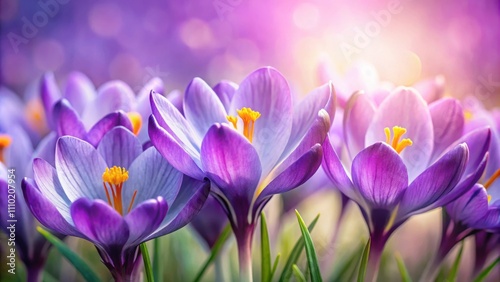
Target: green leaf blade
{"points": [[364, 262], [147, 262], [215, 251], [287, 272], [405, 276], [87, 273], [347, 266], [299, 276], [265, 249], [157, 269], [483, 274], [452, 276], [312, 258]]}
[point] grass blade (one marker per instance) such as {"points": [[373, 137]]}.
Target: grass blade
{"points": [[79, 264], [215, 251], [405, 276], [312, 258], [157, 268], [343, 267], [265, 249], [275, 266], [452, 276], [481, 276], [294, 255], [147, 263], [299, 276], [47, 277], [364, 262]]}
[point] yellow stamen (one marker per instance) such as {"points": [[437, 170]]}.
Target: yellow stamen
{"points": [[5, 141], [113, 179], [489, 199], [397, 144], [248, 116], [492, 179], [136, 120], [233, 120]]}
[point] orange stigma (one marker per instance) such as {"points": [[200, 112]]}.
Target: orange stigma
{"points": [[113, 179], [396, 143], [248, 116], [5, 141], [492, 179], [35, 115], [136, 120]]}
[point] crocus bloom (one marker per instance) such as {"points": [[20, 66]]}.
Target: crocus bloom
{"points": [[91, 105], [16, 151], [477, 210], [400, 162], [115, 196], [251, 143]]}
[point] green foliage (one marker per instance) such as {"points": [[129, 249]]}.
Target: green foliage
{"points": [[79, 264], [312, 258], [294, 255]]}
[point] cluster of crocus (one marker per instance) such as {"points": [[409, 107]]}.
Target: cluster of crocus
{"points": [[100, 175], [406, 157]]}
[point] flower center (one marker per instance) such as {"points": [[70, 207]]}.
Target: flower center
{"points": [[113, 179], [248, 116], [396, 143], [5, 141], [35, 114], [136, 120]]}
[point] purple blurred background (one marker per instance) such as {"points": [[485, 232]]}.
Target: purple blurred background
{"points": [[176, 40]]}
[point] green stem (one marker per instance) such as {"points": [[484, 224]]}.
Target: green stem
{"points": [[147, 263], [157, 268]]}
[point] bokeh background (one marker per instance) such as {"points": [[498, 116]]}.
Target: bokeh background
{"points": [[400, 41], [178, 39]]}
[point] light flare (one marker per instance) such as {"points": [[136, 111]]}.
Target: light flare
{"points": [[395, 141], [113, 179]]}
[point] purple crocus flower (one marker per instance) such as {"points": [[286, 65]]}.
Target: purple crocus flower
{"points": [[16, 151], [248, 141], [91, 105], [404, 161], [115, 196], [477, 210]]}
